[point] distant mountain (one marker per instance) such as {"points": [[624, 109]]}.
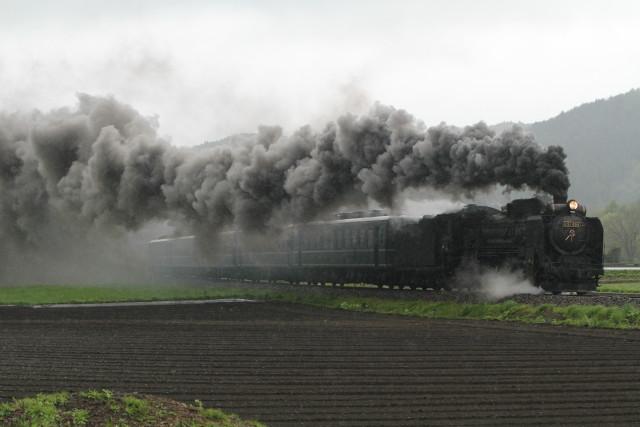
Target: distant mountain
{"points": [[504, 126], [602, 142], [236, 139]]}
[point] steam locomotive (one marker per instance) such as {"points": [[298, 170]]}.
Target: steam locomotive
{"points": [[556, 246]]}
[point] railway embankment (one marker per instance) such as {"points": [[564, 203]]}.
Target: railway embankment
{"points": [[599, 310]]}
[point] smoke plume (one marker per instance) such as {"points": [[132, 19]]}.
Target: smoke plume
{"points": [[102, 168]]}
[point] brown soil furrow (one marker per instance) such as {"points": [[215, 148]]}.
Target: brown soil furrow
{"points": [[398, 359], [346, 384], [294, 365]]}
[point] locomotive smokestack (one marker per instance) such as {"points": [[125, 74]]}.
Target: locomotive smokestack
{"points": [[560, 198], [103, 167]]}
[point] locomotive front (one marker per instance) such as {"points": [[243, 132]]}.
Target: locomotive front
{"points": [[574, 247]]}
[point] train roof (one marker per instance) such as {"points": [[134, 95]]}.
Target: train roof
{"points": [[360, 220], [168, 239], [367, 219]]}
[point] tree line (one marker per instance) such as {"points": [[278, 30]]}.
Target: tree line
{"points": [[621, 224]]}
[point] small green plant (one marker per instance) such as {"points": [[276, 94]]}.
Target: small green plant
{"points": [[101, 395], [214, 414], [41, 410], [6, 409], [137, 409], [79, 417]]}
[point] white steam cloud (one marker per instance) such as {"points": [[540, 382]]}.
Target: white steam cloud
{"points": [[494, 283]]}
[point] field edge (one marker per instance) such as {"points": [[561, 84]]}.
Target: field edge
{"points": [[593, 316]]}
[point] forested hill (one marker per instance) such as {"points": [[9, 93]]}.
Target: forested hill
{"points": [[602, 142]]}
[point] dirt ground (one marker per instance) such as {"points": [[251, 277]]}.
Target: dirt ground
{"points": [[291, 365]]}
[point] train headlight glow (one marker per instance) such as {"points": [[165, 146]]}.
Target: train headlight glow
{"points": [[573, 205]]}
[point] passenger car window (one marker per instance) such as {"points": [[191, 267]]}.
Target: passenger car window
{"points": [[381, 235]]}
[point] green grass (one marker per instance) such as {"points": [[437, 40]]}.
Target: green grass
{"points": [[135, 408], [99, 395], [617, 276], [58, 294], [620, 281], [106, 408], [629, 287], [41, 410], [627, 317]]}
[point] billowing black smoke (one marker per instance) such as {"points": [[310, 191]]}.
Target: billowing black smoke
{"points": [[103, 167]]}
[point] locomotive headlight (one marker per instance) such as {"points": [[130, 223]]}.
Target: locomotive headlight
{"points": [[573, 205]]}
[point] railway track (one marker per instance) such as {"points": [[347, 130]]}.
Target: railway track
{"points": [[465, 296], [615, 294]]}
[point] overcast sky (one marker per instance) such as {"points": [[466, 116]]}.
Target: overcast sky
{"points": [[208, 69]]}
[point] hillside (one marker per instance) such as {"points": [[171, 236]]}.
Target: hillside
{"points": [[602, 142], [231, 140]]}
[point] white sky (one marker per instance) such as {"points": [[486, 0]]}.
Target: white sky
{"points": [[208, 69]]}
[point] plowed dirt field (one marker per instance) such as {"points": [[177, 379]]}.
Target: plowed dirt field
{"points": [[291, 365]]}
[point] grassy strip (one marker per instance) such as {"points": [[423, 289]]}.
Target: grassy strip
{"points": [[627, 317], [106, 408], [615, 276], [595, 316], [628, 287], [58, 294], [620, 281]]}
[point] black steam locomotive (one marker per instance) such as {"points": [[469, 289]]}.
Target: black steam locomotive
{"points": [[557, 247]]}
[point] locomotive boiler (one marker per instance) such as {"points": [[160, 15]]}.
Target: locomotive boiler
{"points": [[556, 246]]}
